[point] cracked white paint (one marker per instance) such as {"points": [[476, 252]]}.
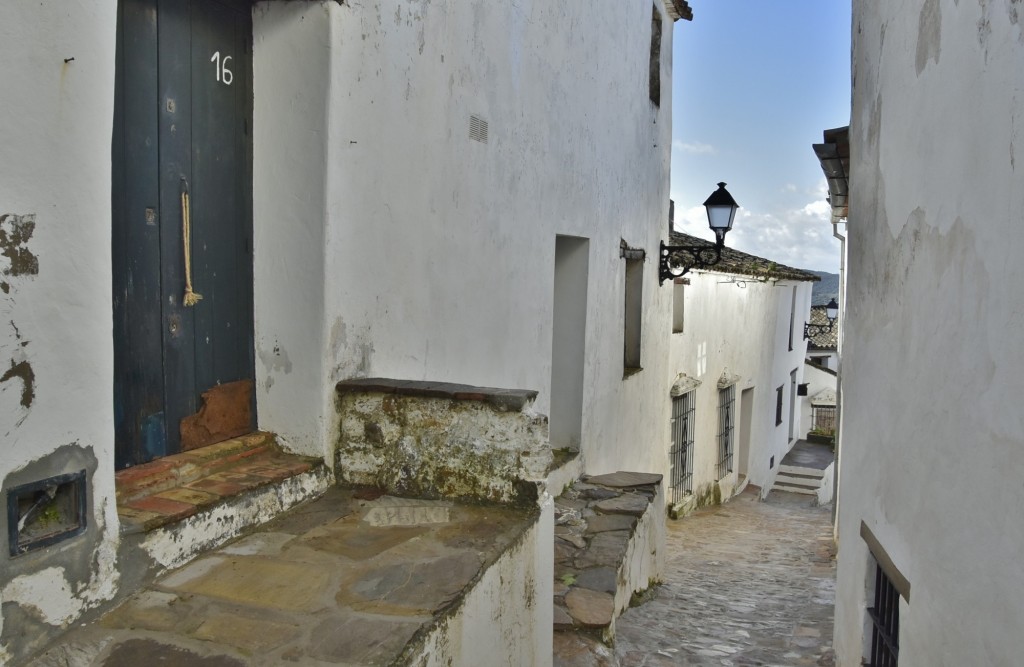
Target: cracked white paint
{"points": [[47, 595], [177, 545]]}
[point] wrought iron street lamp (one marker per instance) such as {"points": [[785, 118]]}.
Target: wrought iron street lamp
{"points": [[831, 312], [677, 260]]}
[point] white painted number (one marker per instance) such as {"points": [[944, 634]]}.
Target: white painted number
{"points": [[224, 75]]}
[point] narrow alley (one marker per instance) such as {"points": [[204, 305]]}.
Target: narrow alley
{"points": [[746, 583]]}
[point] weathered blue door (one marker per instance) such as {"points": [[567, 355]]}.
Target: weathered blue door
{"points": [[182, 209]]}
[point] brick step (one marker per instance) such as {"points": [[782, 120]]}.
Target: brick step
{"points": [[177, 487], [180, 469]]}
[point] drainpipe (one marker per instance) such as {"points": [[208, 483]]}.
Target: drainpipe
{"points": [[839, 374]]}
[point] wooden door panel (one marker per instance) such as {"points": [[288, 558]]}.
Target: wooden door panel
{"points": [[179, 123]]}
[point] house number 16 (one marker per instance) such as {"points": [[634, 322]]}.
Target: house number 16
{"points": [[224, 75]]}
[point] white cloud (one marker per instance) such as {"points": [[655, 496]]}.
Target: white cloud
{"points": [[798, 237], [696, 148], [789, 187]]}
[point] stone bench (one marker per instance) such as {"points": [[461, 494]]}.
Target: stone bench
{"points": [[442, 440]]}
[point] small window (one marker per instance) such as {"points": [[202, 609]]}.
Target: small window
{"points": [[726, 423], [678, 297], [884, 619], [634, 312], [778, 405], [655, 70], [792, 319]]}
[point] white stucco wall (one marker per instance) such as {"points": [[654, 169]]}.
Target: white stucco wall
{"points": [[742, 333], [291, 80], [933, 369], [55, 133], [387, 242], [440, 249], [507, 617]]}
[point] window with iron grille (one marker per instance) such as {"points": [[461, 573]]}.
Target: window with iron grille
{"points": [[884, 616], [823, 418], [682, 445], [726, 422]]}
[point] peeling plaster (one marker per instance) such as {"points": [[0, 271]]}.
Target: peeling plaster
{"points": [[51, 588], [929, 34], [47, 594], [22, 370], [275, 360], [173, 547], [15, 232]]}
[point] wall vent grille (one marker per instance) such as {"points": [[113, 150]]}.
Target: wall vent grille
{"points": [[46, 512], [477, 128]]}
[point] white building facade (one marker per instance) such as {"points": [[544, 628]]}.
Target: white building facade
{"points": [[931, 445], [424, 191], [737, 360]]}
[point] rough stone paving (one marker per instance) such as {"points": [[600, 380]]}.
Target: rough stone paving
{"points": [[746, 583], [346, 579]]}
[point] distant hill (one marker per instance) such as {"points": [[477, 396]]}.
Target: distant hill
{"points": [[827, 289]]}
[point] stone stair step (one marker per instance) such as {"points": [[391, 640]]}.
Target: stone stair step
{"points": [[174, 488], [799, 470], [795, 489], [796, 480], [180, 469]]}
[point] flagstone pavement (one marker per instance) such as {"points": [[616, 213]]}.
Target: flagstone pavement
{"points": [[747, 583]]}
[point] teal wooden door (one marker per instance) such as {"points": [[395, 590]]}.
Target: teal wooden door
{"points": [[183, 109]]}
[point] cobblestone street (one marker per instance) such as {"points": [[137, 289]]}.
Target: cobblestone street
{"points": [[747, 583]]}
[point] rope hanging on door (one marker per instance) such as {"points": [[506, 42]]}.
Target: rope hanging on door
{"points": [[191, 297]]}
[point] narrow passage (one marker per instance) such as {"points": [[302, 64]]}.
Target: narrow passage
{"points": [[747, 583]]}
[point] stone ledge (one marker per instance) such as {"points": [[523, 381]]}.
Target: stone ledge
{"points": [[598, 522], [502, 399]]}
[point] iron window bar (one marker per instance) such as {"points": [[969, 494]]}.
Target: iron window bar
{"points": [[682, 445], [885, 622], [726, 401]]}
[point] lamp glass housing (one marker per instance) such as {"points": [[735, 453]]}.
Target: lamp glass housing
{"points": [[832, 310], [721, 209]]}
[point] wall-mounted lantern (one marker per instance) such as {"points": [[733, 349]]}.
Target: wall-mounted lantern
{"points": [[831, 312], [677, 260]]}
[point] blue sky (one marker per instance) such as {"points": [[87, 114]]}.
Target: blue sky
{"points": [[755, 82]]}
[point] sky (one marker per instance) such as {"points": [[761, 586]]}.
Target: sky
{"points": [[755, 82]]}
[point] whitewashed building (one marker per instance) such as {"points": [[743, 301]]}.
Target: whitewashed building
{"points": [[737, 359], [932, 442], [398, 189]]}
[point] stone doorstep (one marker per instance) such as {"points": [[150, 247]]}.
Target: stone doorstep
{"points": [[180, 469], [176, 487]]}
